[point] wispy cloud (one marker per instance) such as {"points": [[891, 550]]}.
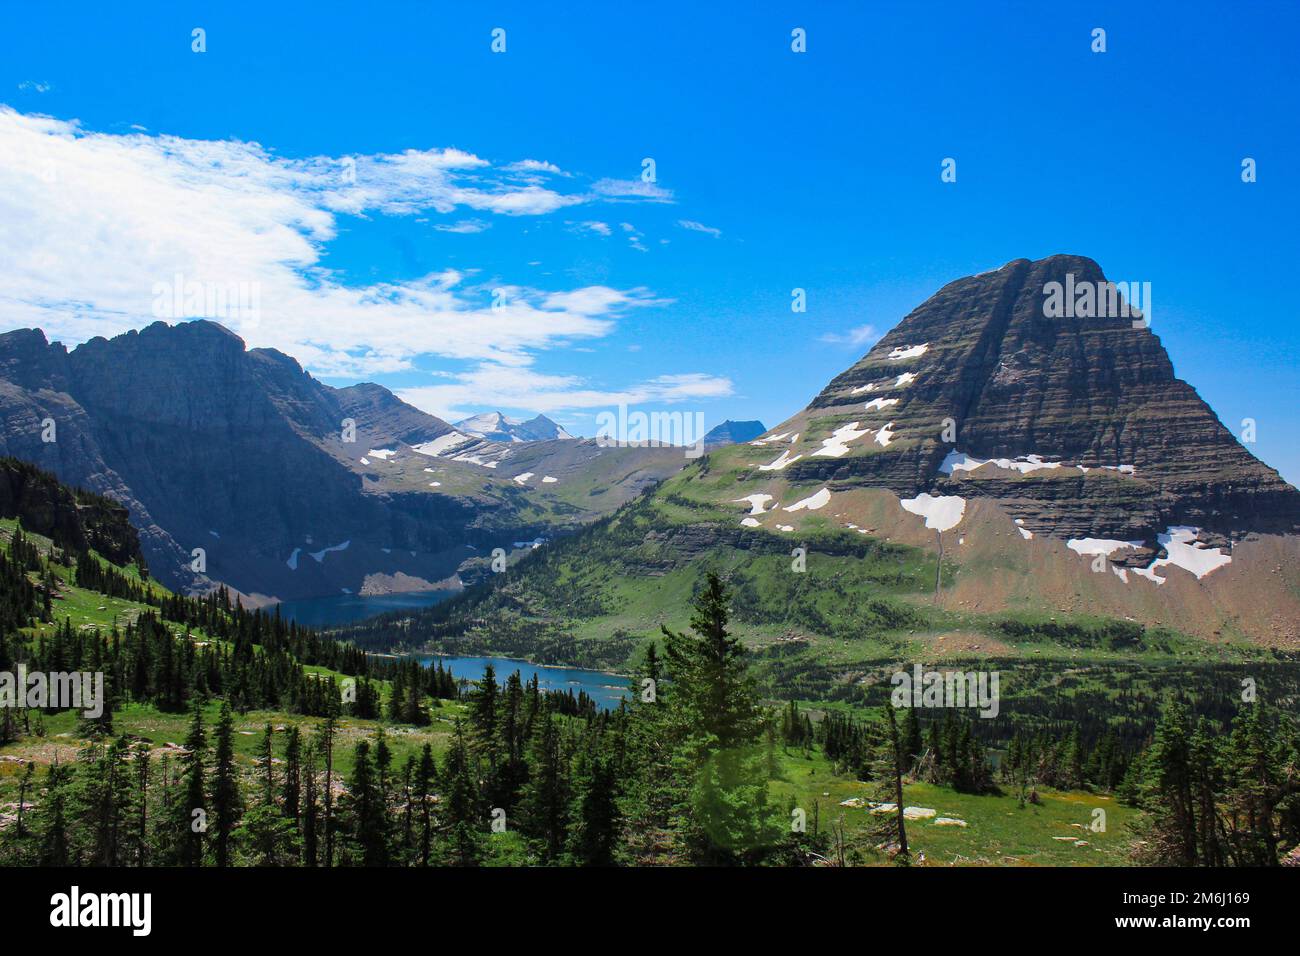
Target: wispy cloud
{"points": [[856, 337], [694, 226], [535, 166], [634, 236], [599, 228], [464, 227], [627, 190], [35, 86]]}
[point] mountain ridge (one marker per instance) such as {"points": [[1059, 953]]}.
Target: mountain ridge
{"points": [[243, 455]]}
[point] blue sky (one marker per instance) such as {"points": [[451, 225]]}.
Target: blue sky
{"points": [[817, 170]]}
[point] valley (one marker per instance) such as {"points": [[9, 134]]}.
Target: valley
{"points": [[978, 495]]}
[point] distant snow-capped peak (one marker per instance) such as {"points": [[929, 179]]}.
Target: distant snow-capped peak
{"points": [[499, 427]]}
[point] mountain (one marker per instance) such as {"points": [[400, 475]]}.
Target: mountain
{"points": [[289, 487], [732, 433], [497, 427], [987, 479], [1131, 448], [71, 518]]}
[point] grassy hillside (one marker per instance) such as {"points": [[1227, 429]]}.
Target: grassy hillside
{"points": [[829, 593]]}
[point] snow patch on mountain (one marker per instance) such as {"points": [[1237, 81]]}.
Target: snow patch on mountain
{"points": [[1025, 464], [814, 501], [780, 462], [319, 556], [1184, 551], [941, 513], [476, 459], [1094, 546], [837, 445], [908, 351], [441, 444], [755, 502]]}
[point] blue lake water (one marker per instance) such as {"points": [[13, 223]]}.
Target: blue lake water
{"points": [[606, 689], [338, 609]]}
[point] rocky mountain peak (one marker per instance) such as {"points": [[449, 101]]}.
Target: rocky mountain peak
{"points": [[499, 427], [1042, 361]]}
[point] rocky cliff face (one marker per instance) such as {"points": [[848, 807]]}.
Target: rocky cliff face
{"points": [[72, 519], [983, 375], [290, 488]]}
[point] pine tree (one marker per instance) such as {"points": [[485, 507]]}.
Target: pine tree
{"points": [[545, 801], [55, 844], [310, 806], [226, 802], [594, 813], [266, 756], [714, 723], [424, 782], [291, 796], [191, 811], [913, 746], [141, 766], [365, 810], [1171, 835], [328, 729], [887, 777], [463, 811]]}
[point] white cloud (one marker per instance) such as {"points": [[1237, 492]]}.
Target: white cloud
{"points": [[600, 228], [634, 236], [627, 190], [494, 385], [536, 166], [35, 86], [92, 224], [464, 226], [857, 336], [694, 226]]}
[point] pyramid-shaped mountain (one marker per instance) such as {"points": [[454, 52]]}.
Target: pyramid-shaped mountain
{"points": [[1077, 422]]}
